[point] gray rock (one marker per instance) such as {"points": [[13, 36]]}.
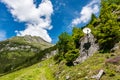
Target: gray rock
{"points": [[67, 77], [13, 48], [118, 69], [116, 47], [99, 75], [52, 53], [87, 48]]}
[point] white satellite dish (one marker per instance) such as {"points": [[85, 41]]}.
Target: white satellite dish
{"points": [[86, 30]]}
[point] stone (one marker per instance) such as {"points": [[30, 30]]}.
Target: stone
{"points": [[118, 69], [116, 47], [52, 53], [115, 60], [87, 48], [99, 75], [79, 73], [86, 77], [67, 77]]}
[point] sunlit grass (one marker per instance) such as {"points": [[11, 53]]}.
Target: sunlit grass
{"points": [[39, 71]]}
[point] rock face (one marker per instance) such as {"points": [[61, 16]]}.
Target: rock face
{"points": [[50, 54], [87, 48]]}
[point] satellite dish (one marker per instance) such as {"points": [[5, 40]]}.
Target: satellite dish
{"points": [[86, 30]]}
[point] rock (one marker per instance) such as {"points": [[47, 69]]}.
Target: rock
{"points": [[118, 69], [67, 77], [13, 48], [79, 73], [52, 53], [50, 65], [115, 60], [116, 47], [27, 47], [87, 48], [99, 75], [86, 77], [113, 54]]}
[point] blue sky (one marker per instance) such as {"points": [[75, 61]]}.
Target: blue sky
{"points": [[44, 18]]}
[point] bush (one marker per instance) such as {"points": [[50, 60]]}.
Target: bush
{"points": [[71, 55]]}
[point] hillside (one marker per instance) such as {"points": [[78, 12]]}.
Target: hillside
{"points": [[31, 40], [49, 70], [20, 50]]}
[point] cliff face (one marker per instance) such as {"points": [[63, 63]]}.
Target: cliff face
{"points": [[87, 48]]}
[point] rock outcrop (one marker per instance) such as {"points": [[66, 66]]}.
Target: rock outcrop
{"points": [[87, 48], [99, 75], [115, 60], [50, 54], [116, 47]]}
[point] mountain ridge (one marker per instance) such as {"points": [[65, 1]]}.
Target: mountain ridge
{"points": [[21, 50]]}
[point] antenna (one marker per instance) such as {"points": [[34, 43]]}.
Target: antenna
{"points": [[87, 45], [87, 30]]}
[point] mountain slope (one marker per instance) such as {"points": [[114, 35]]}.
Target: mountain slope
{"points": [[49, 70], [39, 71], [31, 40], [17, 51]]}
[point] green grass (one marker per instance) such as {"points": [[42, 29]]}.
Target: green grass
{"points": [[39, 71]]}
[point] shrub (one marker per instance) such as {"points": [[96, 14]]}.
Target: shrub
{"points": [[71, 55]]}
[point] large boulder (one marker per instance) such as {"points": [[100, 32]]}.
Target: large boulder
{"points": [[88, 47]]}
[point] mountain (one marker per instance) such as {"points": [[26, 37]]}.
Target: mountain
{"points": [[30, 40], [19, 50]]}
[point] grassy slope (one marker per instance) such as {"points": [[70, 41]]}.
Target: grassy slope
{"points": [[39, 71], [48, 70], [89, 68]]}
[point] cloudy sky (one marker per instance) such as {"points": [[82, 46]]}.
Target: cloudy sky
{"points": [[44, 18]]}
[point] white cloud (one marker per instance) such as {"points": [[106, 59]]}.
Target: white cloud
{"points": [[38, 20], [2, 35], [86, 12]]}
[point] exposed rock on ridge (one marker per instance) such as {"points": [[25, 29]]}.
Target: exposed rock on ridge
{"points": [[87, 48]]}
